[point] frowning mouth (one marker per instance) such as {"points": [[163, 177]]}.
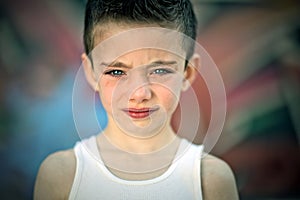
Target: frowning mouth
{"points": [[139, 113]]}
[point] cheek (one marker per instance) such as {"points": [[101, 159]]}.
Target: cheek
{"points": [[168, 97], [106, 89], [170, 92]]}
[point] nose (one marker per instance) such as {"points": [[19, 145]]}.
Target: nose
{"points": [[139, 88], [141, 93]]}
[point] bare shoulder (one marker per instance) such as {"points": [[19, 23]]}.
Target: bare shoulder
{"points": [[218, 181], [55, 176]]}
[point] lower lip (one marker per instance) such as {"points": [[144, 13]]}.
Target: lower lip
{"points": [[140, 115]]}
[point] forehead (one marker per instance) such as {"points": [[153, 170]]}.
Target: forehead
{"points": [[144, 57], [132, 41]]}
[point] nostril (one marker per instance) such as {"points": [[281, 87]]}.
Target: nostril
{"points": [[141, 93]]}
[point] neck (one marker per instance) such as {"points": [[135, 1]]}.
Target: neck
{"points": [[139, 145]]}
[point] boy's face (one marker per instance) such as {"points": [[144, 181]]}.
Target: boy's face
{"points": [[139, 89]]}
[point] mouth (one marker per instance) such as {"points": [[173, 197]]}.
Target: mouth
{"points": [[139, 113]]}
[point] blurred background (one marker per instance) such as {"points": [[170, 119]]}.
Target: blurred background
{"points": [[255, 44]]}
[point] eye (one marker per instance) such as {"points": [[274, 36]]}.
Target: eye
{"points": [[115, 73], [161, 71]]}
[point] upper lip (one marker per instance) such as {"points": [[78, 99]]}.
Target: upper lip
{"points": [[145, 109]]}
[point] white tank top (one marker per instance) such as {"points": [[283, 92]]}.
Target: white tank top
{"points": [[182, 180]]}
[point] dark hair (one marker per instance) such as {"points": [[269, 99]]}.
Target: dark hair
{"points": [[175, 14]]}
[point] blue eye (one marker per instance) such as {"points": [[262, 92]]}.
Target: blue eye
{"points": [[115, 73], [161, 71]]}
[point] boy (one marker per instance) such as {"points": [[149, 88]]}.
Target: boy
{"points": [[138, 155]]}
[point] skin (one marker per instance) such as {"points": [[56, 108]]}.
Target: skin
{"points": [[58, 169]]}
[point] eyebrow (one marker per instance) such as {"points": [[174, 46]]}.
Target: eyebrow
{"points": [[152, 64], [115, 64], [161, 62]]}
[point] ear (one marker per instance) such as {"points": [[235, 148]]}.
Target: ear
{"points": [[89, 72], [191, 71]]}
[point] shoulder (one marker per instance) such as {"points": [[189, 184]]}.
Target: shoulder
{"points": [[218, 181], [55, 176]]}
